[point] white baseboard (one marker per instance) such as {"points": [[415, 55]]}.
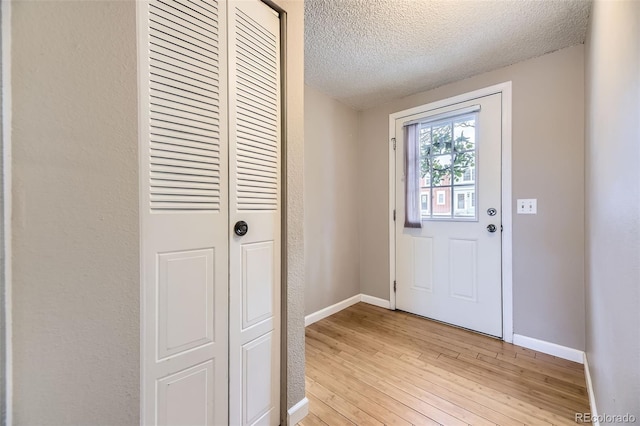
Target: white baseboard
{"points": [[549, 348], [375, 301], [592, 396], [298, 412], [330, 310]]}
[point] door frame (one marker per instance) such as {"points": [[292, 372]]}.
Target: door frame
{"points": [[506, 203], [6, 330]]}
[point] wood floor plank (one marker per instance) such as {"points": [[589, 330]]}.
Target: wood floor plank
{"points": [[330, 341], [446, 340], [366, 401], [416, 338], [548, 369], [363, 334], [407, 398], [551, 404], [326, 413], [460, 408], [368, 365], [546, 382], [328, 371], [559, 361], [540, 362], [388, 341], [338, 371], [446, 330], [312, 420], [335, 330], [504, 403], [478, 404], [340, 404]]}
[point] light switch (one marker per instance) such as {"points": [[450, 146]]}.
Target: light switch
{"points": [[527, 206]]}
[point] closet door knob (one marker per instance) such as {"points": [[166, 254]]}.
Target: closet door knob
{"points": [[241, 228]]}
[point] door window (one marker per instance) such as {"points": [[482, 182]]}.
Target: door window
{"points": [[448, 163]]}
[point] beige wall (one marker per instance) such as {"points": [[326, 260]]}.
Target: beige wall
{"points": [[331, 201], [548, 157], [613, 205], [75, 208]]}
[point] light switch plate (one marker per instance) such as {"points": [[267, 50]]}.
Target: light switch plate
{"points": [[527, 206]]}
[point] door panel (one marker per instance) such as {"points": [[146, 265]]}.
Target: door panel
{"points": [[423, 264], [256, 391], [257, 285], [186, 398], [184, 212], [450, 269], [463, 271], [186, 294], [255, 170]]}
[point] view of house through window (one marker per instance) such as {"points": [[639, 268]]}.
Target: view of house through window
{"points": [[448, 168]]}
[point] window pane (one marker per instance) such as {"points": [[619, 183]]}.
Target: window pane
{"points": [[441, 139], [441, 170], [425, 180], [465, 202], [442, 202], [464, 134], [425, 201], [425, 137], [464, 167]]}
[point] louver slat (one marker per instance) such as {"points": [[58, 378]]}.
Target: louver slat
{"points": [[257, 125], [184, 153], [182, 180]]}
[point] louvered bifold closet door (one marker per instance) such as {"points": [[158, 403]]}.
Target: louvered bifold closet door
{"points": [[255, 181], [184, 211]]}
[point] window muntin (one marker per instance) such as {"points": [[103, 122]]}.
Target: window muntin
{"points": [[448, 158]]}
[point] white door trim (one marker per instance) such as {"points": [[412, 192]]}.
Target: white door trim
{"points": [[507, 235]]}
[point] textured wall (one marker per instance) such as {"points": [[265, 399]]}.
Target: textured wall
{"points": [[548, 152], [331, 201], [613, 205], [293, 294], [75, 208]]}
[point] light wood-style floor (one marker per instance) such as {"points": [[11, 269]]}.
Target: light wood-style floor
{"points": [[371, 366]]}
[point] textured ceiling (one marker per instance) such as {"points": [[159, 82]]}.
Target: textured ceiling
{"points": [[364, 52]]}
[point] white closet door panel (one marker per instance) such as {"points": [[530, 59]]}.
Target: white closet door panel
{"points": [[257, 285], [255, 197], [257, 398], [186, 297], [184, 211], [186, 398]]}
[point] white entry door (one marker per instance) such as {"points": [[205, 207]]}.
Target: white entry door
{"points": [[254, 171], [450, 268]]}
